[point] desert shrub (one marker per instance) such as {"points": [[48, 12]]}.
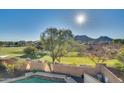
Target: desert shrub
{"points": [[2, 67], [10, 68], [19, 64]]}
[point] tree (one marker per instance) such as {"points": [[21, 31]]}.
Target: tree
{"points": [[1, 43], [81, 49], [121, 54], [118, 41], [56, 42], [30, 51], [101, 53]]}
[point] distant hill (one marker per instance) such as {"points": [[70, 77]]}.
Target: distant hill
{"points": [[103, 39], [86, 39], [83, 39]]}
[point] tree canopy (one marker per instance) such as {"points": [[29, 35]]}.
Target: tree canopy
{"points": [[101, 53], [121, 54], [30, 51], [56, 41]]}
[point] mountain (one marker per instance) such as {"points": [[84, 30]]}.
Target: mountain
{"points": [[83, 39], [86, 39], [103, 39]]}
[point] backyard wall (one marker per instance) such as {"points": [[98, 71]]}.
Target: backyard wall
{"points": [[35, 65], [109, 76], [62, 68], [70, 69], [89, 79], [74, 70]]}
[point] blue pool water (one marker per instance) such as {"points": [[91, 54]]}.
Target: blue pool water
{"points": [[36, 80]]}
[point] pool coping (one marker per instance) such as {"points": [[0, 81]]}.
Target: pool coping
{"points": [[51, 75]]}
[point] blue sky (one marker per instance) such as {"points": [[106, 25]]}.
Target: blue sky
{"points": [[28, 24]]}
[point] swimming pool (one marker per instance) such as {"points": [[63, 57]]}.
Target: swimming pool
{"points": [[40, 77], [36, 80]]}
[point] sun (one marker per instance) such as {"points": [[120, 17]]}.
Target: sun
{"points": [[80, 19]]}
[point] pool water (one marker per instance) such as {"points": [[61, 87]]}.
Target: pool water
{"points": [[35, 80]]}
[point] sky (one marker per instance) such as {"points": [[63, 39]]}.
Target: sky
{"points": [[27, 25]]}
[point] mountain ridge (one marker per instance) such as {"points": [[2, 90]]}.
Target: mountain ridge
{"points": [[87, 39]]}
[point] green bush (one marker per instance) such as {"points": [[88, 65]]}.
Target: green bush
{"points": [[119, 66], [122, 68], [71, 54], [30, 52], [34, 71]]}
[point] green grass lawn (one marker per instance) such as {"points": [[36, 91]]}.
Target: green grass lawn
{"points": [[11, 51], [18, 51], [81, 61]]}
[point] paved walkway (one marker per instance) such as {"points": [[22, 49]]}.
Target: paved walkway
{"points": [[12, 79], [4, 56]]}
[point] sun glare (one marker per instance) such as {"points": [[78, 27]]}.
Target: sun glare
{"points": [[81, 19]]}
